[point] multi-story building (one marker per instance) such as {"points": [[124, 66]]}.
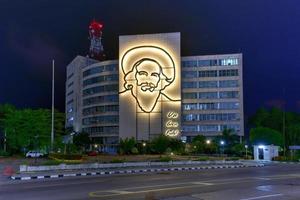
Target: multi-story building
{"points": [[211, 96]]}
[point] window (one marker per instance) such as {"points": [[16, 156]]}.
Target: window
{"points": [[189, 85], [102, 129], [203, 63], [189, 74], [208, 84], [189, 63], [189, 117], [208, 95], [219, 117], [190, 95], [70, 84], [229, 72], [99, 89], [209, 73], [208, 106], [229, 61], [70, 76], [228, 83], [190, 106], [208, 128], [69, 93], [101, 120], [235, 127], [93, 70], [100, 109], [70, 101], [190, 128], [100, 99], [229, 105], [229, 94]]}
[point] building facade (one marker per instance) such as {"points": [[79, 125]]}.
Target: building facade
{"points": [[196, 95]]}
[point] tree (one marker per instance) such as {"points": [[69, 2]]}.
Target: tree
{"points": [[293, 136], [264, 135], [30, 129], [198, 144], [127, 145], [82, 140], [160, 144]]}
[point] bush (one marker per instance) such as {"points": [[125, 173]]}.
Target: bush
{"points": [[165, 159], [126, 145], [203, 158], [134, 150], [116, 160], [232, 159], [52, 162], [4, 154], [160, 144], [58, 162], [66, 156]]}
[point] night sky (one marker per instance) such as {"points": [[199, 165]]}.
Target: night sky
{"points": [[267, 32]]}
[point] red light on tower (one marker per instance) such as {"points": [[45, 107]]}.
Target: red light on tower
{"points": [[95, 36]]}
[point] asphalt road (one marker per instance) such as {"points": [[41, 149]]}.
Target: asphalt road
{"points": [[280, 181]]}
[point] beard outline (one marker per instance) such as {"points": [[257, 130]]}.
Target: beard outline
{"points": [[147, 99]]}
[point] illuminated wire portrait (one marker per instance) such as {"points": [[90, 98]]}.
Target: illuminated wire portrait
{"points": [[148, 71]]}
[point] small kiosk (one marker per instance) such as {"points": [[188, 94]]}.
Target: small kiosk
{"points": [[265, 152]]}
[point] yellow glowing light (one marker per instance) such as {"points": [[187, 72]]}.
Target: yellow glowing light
{"points": [[149, 85]]}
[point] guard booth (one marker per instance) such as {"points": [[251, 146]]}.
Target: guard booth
{"points": [[265, 152]]}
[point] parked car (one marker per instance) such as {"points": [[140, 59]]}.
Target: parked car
{"points": [[34, 154], [92, 153]]}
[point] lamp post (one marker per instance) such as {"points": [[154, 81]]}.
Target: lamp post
{"points": [[222, 143], [246, 147], [144, 146]]}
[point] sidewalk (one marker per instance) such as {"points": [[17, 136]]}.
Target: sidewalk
{"points": [[126, 170]]}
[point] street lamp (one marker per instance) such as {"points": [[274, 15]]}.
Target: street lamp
{"points": [[222, 143], [207, 141], [246, 147], [144, 144]]}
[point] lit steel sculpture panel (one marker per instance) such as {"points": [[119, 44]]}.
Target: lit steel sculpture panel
{"points": [[149, 85]]}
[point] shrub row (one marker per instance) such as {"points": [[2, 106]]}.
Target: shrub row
{"points": [[66, 156]]}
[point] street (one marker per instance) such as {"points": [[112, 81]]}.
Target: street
{"points": [[276, 181]]}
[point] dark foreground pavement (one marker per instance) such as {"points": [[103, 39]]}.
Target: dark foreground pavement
{"points": [[278, 181]]}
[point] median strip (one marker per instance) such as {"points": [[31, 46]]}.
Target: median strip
{"points": [[138, 171]]}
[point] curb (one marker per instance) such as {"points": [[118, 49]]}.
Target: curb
{"points": [[137, 171]]}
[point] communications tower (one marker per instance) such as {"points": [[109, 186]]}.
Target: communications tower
{"points": [[95, 36]]}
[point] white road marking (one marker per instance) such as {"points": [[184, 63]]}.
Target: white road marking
{"points": [[263, 197]]}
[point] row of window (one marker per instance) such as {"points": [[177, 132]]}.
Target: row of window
{"points": [[70, 76], [211, 84], [69, 93], [212, 117], [102, 129], [100, 109], [70, 84], [109, 119], [100, 99], [210, 73], [102, 88], [70, 101], [211, 106], [210, 128], [210, 95], [99, 69], [207, 63], [98, 79]]}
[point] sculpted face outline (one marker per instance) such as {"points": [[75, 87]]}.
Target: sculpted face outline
{"points": [[146, 79], [148, 75]]}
